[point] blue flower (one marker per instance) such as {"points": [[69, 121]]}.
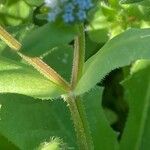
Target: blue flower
{"points": [[69, 10], [84, 4], [81, 15], [68, 18]]}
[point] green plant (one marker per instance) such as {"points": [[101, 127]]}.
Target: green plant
{"points": [[55, 76]]}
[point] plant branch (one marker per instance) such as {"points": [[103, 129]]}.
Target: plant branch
{"points": [[79, 57], [9, 40], [80, 125], [36, 62], [75, 103]]}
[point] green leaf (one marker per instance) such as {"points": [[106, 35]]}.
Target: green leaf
{"points": [[91, 47], [28, 123], [145, 3], [5, 144], [130, 1], [47, 37], [136, 134], [15, 12], [60, 59], [98, 27], [34, 2], [22, 79], [18, 32], [103, 135], [120, 51]]}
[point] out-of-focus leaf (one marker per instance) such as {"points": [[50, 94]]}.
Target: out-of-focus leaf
{"points": [[98, 27], [103, 136], [137, 91], [61, 59], [120, 51], [47, 37], [14, 12], [22, 79], [145, 3], [34, 2], [27, 122], [5, 144], [130, 1], [18, 32]]}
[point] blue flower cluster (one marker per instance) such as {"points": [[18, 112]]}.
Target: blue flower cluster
{"points": [[68, 10]]}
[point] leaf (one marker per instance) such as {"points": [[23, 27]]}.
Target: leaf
{"points": [[47, 37], [5, 144], [103, 135], [136, 134], [18, 32], [13, 13], [91, 47], [130, 1], [27, 122], [60, 59], [120, 51], [34, 2], [22, 79], [98, 27], [145, 3]]}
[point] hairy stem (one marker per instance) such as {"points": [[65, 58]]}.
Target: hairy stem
{"points": [[79, 56], [47, 71], [75, 103], [9, 40], [36, 62], [80, 123]]}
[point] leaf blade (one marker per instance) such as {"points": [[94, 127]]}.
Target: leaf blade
{"points": [[118, 52], [27, 122], [102, 134], [22, 79], [47, 37], [136, 132]]}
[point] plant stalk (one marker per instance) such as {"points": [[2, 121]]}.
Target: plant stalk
{"points": [[79, 119], [75, 103], [36, 62], [76, 107], [79, 57]]}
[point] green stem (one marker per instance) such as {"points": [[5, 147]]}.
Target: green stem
{"points": [[87, 133], [36, 62], [79, 56], [78, 115], [75, 103]]}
